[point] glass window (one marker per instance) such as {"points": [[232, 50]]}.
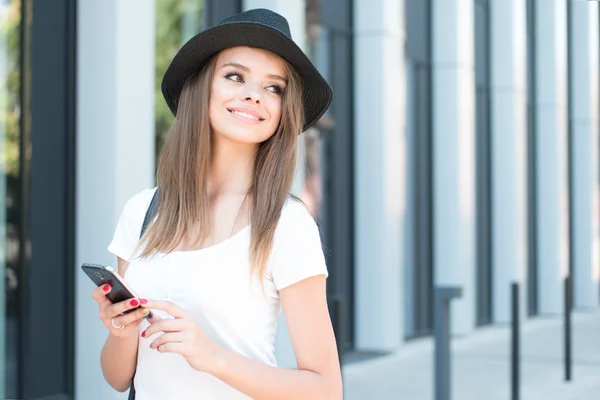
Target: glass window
{"points": [[176, 22], [314, 139], [10, 114], [328, 151]]}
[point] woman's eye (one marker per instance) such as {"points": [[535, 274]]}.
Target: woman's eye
{"points": [[275, 89], [235, 77]]}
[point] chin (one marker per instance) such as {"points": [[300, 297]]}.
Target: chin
{"points": [[245, 136]]}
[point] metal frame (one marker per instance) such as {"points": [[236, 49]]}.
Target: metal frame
{"points": [[46, 354], [24, 143], [443, 365], [483, 154], [419, 49], [570, 130], [532, 287]]}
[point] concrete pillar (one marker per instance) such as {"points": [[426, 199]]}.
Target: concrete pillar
{"points": [[509, 152], [294, 12], [551, 152], [380, 165], [454, 154], [115, 152], [584, 152]]}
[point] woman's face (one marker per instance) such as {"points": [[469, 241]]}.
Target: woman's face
{"points": [[246, 94]]}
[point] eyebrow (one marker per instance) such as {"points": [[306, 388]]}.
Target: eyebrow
{"points": [[242, 67]]}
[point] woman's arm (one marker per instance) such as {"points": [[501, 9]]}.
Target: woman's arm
{"points": [[118, 360]]}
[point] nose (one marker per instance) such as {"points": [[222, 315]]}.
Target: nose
{"points": [[252, 96]]}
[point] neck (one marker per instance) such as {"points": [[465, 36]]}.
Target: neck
{"points": [[232, 167]]}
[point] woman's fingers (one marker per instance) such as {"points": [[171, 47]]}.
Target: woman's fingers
{"points": [[171, 337], [99, 294], [165, 325], [164, 305], [131, 317], [121, 307], [122, 318]]}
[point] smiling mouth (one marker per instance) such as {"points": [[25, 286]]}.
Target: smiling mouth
{"points": [[246, 115]]}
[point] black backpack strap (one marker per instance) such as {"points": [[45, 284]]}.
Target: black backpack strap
{"points": [[131, 392], [150, 214]]}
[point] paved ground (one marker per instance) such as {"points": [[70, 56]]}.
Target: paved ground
{"points": [[481, 365]]}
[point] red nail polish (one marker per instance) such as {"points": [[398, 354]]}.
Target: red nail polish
{"points": [[134, 302], [106, 288], [143, 301], [144, 334]]}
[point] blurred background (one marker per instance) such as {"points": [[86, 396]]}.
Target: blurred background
{"points": [[461, 150]]}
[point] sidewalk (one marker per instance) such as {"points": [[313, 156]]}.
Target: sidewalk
{"points": [[481, 365]]}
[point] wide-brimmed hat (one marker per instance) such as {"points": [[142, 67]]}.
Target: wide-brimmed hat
{"points": [[258, 28]]}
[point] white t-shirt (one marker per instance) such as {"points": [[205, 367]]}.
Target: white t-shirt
{"points": [[216, 285]]}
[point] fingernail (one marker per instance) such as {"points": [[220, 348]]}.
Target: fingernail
{"points": [[106, 288], [145, 311], [143, 301], [134, 302], [144, 334]]}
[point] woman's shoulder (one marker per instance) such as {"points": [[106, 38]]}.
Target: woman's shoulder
{"points": [[295, 217], [294, 207]]}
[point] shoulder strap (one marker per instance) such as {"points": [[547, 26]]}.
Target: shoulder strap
{"points": [[150, 212]]}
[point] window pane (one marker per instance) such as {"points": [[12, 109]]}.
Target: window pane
{"points": [[176, 22], [10, 51], [315, 145]]}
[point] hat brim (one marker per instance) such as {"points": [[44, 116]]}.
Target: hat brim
{"points": [[316, 92]]}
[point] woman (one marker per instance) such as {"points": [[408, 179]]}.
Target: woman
{"points": [[228, 247]]}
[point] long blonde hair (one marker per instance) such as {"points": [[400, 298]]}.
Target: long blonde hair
{"points": [[183, 168]]}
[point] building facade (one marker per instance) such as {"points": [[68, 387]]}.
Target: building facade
{"points": [[461, 148]]}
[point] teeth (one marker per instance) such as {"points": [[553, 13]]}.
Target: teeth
{"points": [[243, 114]]}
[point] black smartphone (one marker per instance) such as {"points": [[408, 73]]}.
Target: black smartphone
{"points": [[102, 275]]}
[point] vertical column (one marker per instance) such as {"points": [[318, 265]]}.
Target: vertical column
{"points": [[584, 151], [380, 167], [294, 12], [551, 158], [454, 154], [115, 151], [509, 151]]}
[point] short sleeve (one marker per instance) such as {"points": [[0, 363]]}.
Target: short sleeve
{"points": [[297, 250], [127, 233]]}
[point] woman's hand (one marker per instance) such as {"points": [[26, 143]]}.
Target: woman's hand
{"points": [[182, 335], [119, 324]]}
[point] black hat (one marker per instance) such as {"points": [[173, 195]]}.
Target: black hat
{"points": [[258, 28]]}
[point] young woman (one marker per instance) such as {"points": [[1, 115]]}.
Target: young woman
{"points": [[228, 247]]}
